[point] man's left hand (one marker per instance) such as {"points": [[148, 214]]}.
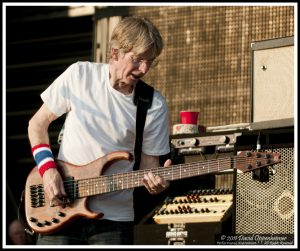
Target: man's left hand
{"points": [[154, 183]]}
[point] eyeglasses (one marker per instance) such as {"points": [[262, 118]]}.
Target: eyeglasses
{"points": [[137, 61]]}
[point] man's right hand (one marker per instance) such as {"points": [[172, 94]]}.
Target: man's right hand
{"points": [[54, 187]]}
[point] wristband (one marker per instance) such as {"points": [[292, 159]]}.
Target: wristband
{"points": [[43, 157]]}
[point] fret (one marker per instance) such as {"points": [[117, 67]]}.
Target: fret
{"points": [[118, 181], [208, 167], [169, 174], [180, 172], [166, 173], [136, 180], [87, 188], [96, 187], [103, 188], [173, 172], [131, 174], [90, 187], [130, 180], [184, 172], [111, 184], [107, 183], [82, 192], [157, 171], [122, 182]]}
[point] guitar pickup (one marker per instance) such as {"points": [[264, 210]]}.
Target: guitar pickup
{"points": [[66, 202]]}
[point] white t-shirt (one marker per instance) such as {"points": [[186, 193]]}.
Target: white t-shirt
{"points": [[102, 120]]}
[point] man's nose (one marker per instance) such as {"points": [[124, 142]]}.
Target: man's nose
{"points": [[144, 67]]}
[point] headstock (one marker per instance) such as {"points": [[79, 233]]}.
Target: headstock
{"points": [[247, 161]]}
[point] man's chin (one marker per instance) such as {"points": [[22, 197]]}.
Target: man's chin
{"points": [[133, 81]]}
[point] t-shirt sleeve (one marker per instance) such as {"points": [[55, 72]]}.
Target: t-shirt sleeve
{"points": [[156, 133], [57, 96]]}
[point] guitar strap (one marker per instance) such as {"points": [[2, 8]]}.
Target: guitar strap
{"points": [[143, 100]]}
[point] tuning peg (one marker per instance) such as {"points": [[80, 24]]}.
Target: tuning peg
{"points": [[267, 155], [257, 155]]}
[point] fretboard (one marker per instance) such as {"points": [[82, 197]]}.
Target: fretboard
{"points": [[121, 181]]}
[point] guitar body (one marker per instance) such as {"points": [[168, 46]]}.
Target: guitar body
{"points": [[45, 219]]}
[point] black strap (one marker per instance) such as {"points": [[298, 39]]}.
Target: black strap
{"points": [[143, 100]]}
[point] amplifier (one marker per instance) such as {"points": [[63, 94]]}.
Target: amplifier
{"points": [[272, 83], [265, 201], [196, 144]]}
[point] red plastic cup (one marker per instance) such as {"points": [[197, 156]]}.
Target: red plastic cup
{"points": [[188, 117]]}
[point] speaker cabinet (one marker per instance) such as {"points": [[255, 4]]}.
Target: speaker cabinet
{"points": [[267, 207], [272, 83]]}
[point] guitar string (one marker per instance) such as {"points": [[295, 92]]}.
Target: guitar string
{"points": [[110, 181], [91, 185], [116, 182], [82, 188]]}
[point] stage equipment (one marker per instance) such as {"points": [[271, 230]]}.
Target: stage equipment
{"points": [[272, 83], [265, 200], [210, 195], [208, 205]]}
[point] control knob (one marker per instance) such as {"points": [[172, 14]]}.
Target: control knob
{"points": [[224, 139]]}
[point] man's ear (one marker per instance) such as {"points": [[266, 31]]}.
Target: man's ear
{"points": [[114, 53]]}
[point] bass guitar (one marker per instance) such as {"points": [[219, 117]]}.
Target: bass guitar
{"points": [[80, 182]]}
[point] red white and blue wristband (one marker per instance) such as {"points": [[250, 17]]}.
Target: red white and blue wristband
{"points": [[43, 157]]}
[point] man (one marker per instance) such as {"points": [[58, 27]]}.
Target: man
{"points": [[101, 118]]}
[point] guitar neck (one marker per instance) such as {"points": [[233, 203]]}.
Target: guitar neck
{"points": [[121, 181]]}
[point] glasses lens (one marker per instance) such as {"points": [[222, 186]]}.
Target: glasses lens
{"points": [[137, 61]]}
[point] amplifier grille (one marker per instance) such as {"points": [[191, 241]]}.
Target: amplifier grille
{"points": [[267, 207]]}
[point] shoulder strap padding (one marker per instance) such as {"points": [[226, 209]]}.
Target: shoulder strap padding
{"points": [[143, 98]]}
